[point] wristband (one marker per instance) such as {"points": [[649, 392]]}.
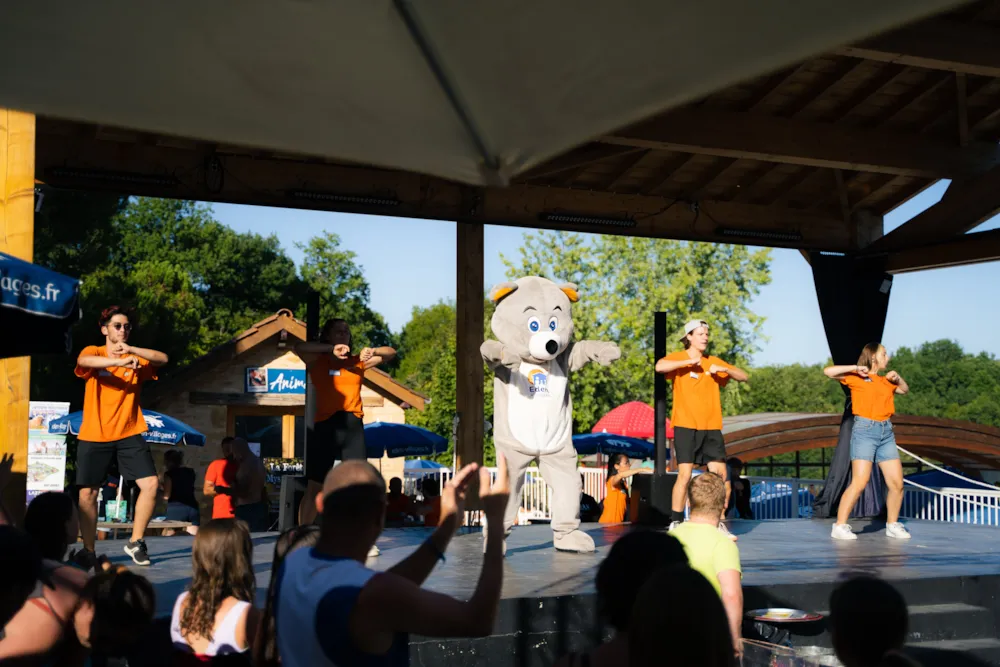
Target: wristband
{"points": [[437, 552]]}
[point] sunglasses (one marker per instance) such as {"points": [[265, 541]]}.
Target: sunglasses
{"points": [[118, 326]]}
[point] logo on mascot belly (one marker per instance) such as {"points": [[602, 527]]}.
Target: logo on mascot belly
{"points": [[538, 382]]}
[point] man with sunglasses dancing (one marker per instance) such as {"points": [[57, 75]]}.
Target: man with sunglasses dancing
{"points": [[113, 426]]}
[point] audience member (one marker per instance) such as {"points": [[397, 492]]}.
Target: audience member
{"points": [[20, 568], [398, 504], [265, 650], [216, 616], [52, 523], [431, 507], [868, 623], [178, 490], [219, 480], [590, 509], [249, 496], [741, 490], [710, 552], [688, 631], [616, 499], [70, 616], [630, 562], [332, 610]]}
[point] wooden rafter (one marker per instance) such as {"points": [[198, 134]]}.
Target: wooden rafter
{"points": [[790, 141], [628, 162], [887, 76], [964, 206], [973, 248], [941, 44]]}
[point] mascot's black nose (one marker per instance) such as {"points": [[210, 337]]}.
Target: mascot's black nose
{"points": [[551, 347]]}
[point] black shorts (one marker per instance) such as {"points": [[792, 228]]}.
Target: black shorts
{"points": [[338, 438], [93, 459], [698, 447]]}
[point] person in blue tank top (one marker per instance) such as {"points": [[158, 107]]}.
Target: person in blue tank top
{"points": [[330, 609]]}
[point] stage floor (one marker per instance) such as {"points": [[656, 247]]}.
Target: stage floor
{"points": [[773, 553]]}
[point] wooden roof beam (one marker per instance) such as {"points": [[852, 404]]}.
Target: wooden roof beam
{"points": [[963, 207], [940, 44], [790, 141], [966, 249]]}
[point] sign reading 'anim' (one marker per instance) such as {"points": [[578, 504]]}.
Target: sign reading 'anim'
{"points": [[275, 381]]}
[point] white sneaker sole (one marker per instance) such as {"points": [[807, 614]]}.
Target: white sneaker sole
{"points": [[844, 538], [898, 537], [131, 553]]}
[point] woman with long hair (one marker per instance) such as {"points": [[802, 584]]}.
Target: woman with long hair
{"points": [[265, 648], [872, 438], [616, 499], [216, 616]]}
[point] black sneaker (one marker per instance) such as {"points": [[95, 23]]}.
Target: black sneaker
{"points": [[85, 559], [137, 550]]}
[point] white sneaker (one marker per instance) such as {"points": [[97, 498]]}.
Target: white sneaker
{"points": [[673, 524], [725, 531], [373, 551], [897, 531], [842, 531]]}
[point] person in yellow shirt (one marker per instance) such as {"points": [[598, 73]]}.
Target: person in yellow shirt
{"points": [[338, 430], [712, 553], [697, 413], [112, 427], [872, 438]]}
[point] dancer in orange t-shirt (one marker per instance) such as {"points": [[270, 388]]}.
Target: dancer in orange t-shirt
{"points": [[872, 438], [616, 499], [697, 414], [112, 427], [338, 425]]}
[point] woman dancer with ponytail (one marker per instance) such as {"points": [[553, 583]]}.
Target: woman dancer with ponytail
{"points": [[872, 438]]}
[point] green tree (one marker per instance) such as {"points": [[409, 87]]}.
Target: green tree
{"points": [[344, 292], [792, 388], [623, 281]]}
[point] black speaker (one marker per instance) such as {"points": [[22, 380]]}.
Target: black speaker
{"points": [[651, 498], [292, 491]]}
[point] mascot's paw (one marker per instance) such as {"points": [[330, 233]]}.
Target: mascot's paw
{"points": [[608, 353], [509, 358], [577, 541]]}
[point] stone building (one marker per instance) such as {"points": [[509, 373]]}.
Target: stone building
{"points": [[254, 386]]}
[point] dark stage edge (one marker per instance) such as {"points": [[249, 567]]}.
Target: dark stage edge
{"points": [[948, 573]]}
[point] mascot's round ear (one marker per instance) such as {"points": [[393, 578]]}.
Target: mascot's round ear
{"points": [[570, 291], [501, 290]]}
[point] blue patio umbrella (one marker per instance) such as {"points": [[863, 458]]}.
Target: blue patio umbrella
{"points": [[37, 308], [160, 429], [401, 440], [422, 464], [610, 443]]}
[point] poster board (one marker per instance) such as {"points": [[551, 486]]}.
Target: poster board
{"points": [[46, 470]]}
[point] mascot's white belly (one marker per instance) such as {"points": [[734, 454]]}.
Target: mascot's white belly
{"points": [[537, 407]]}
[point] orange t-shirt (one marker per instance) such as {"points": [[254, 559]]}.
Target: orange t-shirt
{"points": [[697, 403], [433, 517], [111, 398], [873, 398], [222, 472], [614, 505], [337, 389]]}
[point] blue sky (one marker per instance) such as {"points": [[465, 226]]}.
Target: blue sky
{"points": [[412, 263]]}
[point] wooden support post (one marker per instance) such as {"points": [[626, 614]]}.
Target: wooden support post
{"points": [[17, 228], [469, 338], [288, 436]]}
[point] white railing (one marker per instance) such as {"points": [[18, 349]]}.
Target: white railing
{"points": [[771, 497]]}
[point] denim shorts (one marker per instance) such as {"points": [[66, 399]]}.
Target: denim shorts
{"points": [[873, 441]]}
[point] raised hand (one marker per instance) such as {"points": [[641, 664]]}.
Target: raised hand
{"points": [[862, 371], [453, 496], [366, 354], [608, 353], [342, 351], [495, 495], [695, 361], [893, 377], [715, 368], [120, 349], [6, 468]]}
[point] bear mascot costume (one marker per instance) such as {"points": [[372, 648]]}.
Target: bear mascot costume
{"points": [[532, 360]]}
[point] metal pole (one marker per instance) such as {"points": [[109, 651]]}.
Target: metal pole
{"points": [[660, 394]]}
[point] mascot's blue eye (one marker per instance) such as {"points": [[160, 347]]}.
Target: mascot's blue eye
{"points": [[534, 324], [553, 323]]}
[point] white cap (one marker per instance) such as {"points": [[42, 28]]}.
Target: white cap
{"points": [[694, 324]]}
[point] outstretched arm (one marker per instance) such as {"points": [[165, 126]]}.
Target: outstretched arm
{"points": [[732, 372], [585, 351], [496, 354], [619, 476], [373, 356], [837, 372], [154, 357], [901, 386]]}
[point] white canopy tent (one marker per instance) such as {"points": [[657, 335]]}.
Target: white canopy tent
{"points": [[476, 92]]}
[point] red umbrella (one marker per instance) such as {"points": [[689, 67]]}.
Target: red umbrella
{"points": [[634, 419]]}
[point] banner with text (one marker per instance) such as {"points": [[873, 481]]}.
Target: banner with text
{"points": [[275, 381]]}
